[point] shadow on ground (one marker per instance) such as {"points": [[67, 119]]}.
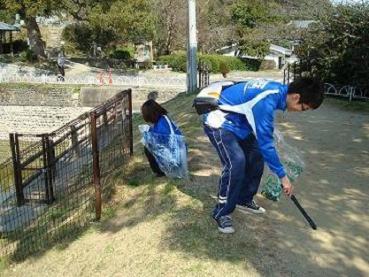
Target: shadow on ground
{"points": [[333, 189]]}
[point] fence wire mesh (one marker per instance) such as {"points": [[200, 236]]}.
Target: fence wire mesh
{"points": [[48, 188]]}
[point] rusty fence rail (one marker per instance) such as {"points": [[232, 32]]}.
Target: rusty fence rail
{"points": [[51, 186], [203, 71]]}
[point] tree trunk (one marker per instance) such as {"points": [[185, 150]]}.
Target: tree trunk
{"points": [[168, 43], [34, 36]]}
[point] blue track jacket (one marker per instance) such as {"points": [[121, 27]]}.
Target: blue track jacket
{"points": [[248, 107]]}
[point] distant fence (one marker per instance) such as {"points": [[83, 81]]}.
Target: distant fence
{"points": [[101, 78], [350, 92], [51, 186], [204, 74]]}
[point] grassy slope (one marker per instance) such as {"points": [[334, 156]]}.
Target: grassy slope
{"points": [[155, 227]]}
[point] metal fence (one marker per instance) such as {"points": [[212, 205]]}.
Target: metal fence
{"points": [[51, 186], [349, 92], [203, 73], [289, 73], [100, 78]]}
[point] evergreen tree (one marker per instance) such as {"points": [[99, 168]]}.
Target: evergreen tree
{"points": [[28, 10]]}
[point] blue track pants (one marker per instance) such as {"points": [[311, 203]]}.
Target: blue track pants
{"points": [[243, 167]]}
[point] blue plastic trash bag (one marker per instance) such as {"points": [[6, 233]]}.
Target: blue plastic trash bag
{"points": [[169, 150]]}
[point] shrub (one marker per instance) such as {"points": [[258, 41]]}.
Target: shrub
{"points": [[146, 65], [27, 56], [224, 69], [78, 35], [6, 58], [123, 53], [252, 64], [335, 48], [120, 54], [178, 62], [19, 46]]}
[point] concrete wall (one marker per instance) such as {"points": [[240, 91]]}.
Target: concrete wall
{"points": [[39, 109], [74, 96], [92, 96], [39, 95], [35, 119]]}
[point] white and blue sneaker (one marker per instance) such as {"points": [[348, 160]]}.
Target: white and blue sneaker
{"points": [[251, 208], [225, 225]]}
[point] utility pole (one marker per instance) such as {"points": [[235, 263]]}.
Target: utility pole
{"points": [[191, 48]]}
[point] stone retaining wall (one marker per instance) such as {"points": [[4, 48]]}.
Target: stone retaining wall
{"points": [[35, 119], [43, 108], [39, 95], [92, 96], [75, 96]]}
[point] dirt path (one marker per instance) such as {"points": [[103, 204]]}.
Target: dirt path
{"points": [[334, 189]]}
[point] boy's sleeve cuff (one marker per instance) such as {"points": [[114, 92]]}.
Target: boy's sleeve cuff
{"points": [[281, 173]]}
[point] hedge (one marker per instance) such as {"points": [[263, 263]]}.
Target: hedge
{"points": [[178, 62]]}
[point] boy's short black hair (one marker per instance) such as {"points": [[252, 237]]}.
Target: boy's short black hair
{"points": [[151, 111], [310, 89]]}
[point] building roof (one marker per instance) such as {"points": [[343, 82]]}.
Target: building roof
{"points": [[280, 50], [273, 49], [8, 27]]}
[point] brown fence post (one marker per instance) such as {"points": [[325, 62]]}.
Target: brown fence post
{"points": [[46, 169], [114, 116], [14, 145], [105, 117], [130, 123], [51, 168], [96, 165]]}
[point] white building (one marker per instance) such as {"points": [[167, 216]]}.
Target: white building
{"points": [[277, 54]]}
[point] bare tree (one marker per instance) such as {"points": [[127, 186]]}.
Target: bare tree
{"points": [[170, 25]]}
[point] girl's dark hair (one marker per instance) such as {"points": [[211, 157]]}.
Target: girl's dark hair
{"points": [[310, 89], [151, 111]]}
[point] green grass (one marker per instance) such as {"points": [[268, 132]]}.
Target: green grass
{"points": [[4, 150], [4, 263], [6, 169], [40, 87]]}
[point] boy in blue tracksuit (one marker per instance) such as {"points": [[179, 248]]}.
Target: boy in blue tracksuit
{"points": [[241, 131]]}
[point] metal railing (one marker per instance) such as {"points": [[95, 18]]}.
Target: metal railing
{"points": [[203, 73], [100, 78], [350, 92], [51, 186]]}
